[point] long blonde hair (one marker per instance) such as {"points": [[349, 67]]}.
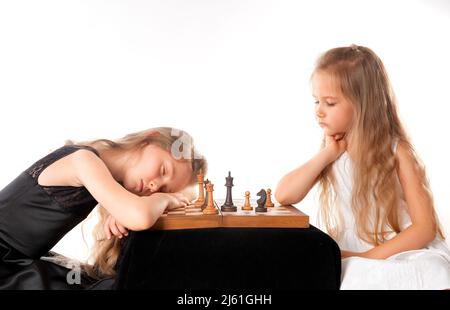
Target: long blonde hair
{"points": [[179, 143], [363, 80]]}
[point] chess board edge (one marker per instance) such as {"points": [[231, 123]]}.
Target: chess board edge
{"points": [[295, 219]]}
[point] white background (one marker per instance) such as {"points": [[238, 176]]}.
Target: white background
{"points": [[235, 74]]}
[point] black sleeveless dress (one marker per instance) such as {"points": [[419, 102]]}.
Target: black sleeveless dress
{"points": [[33, 218]]}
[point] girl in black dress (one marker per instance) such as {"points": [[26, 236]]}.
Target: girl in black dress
{"points": [[132, 180]]}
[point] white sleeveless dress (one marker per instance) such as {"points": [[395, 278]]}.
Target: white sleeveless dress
{"points": [[427, 268]]}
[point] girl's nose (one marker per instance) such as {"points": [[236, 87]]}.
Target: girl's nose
{"points": [[319, 112], [153, 186]]}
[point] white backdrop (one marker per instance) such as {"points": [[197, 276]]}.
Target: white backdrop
{"points": [[235, 74]]}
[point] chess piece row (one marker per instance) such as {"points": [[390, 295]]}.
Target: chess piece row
{"points": [[264, 202], [206, 203]]}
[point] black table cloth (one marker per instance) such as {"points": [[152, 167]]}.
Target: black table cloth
{"points": [[229, 258]]}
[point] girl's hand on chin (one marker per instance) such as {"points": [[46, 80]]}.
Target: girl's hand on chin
{"points": [[339, 136], [335, 145]]}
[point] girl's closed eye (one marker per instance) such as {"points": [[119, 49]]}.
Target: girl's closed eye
{"points": [[330, 104], [163, 170]]}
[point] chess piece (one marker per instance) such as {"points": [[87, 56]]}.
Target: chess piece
{"points": [[261, 201], [210, 208], [269, 203], [247, 206], [201, 195], [205, 203], [228, 206]]}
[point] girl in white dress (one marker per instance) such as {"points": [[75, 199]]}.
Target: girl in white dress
{"points": [[375, 199]]}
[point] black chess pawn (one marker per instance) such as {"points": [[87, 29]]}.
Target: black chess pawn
{"points": [[205, 203], [228, 206], [261, 201]]}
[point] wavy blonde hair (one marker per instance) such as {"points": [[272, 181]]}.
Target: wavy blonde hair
{"points": [[361, 77], [106, 252]]}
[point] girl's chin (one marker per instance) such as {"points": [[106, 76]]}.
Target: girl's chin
{"points": [[328, 132]]}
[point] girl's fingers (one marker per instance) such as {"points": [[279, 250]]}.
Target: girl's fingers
{"points": [[339, 136], [180, 204], [122, 229], [120, 234], [181, 196], [178, 196], [174, 207], [182, 200], [106, 231], [114, 229], [329, 139]]}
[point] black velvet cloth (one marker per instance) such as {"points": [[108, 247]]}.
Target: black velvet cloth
{"points": [[230, 258]]}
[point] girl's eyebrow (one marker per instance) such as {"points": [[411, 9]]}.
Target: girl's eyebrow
{"points": [[326, 97]]}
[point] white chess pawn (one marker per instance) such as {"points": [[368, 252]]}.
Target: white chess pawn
{"points": [[269, 203], [247, 206]]}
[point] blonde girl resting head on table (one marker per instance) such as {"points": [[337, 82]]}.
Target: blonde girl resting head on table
{"points": [[133, 180], [152, 165]]}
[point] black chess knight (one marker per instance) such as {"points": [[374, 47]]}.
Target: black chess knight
{"points": [[228, 205], [261, 201]]}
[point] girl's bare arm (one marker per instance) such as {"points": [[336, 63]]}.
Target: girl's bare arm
{"points": [[294, 186], [423, 228], [132, 211]]}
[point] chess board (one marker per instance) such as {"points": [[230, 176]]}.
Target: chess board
{"points": [[192, 217]]}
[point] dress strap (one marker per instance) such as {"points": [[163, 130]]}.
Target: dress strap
{"points": [[36, 169]]}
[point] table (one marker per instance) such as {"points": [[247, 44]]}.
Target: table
{"points": [[229, 258]]}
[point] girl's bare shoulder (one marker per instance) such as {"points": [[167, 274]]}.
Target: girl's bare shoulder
{"points": [[63, 172]]}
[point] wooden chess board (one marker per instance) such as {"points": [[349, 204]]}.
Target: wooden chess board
{"points": [[192, 217]]}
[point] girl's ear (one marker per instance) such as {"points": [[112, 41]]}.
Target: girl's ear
{"points": [[149, 135]]}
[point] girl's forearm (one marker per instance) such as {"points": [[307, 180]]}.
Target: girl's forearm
{"points": [[412, 238], [151, 208], [294, 186]]}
